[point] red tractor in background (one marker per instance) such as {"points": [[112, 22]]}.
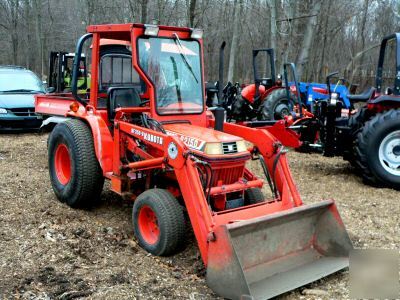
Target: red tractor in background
{"points": [[369, 138], [145, 127], [265, 99]]}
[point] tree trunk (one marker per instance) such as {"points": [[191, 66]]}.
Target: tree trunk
{"points": [[27, 24], [321, 66], [234, 45], [37, 5], [362, 35], [303, 57], [143, 15], [287, 43], [273, 12], [14, 34], [191, 12]]}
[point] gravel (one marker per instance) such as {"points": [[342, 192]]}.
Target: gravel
{"points": [[50, 251]]}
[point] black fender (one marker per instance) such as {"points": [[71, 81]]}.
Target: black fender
{"points": [[389, 99]]}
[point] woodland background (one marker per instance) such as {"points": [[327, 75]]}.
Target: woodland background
{"points": [[320, 36]]}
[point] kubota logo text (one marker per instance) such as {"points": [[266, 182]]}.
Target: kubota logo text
{"points": [[148, 136]]}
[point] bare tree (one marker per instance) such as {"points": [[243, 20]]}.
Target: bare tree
{"points": [[143, 14], [273, 10], [191, 4], [362, 32], [235, 36], [11, 13], [309, 32]]}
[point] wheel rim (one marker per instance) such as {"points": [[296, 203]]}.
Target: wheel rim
{"points": [[389, 153], [148, 225], [281, 110], [62, 164]]}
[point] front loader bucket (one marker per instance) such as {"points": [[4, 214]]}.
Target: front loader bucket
{"points": [[273, 254]]}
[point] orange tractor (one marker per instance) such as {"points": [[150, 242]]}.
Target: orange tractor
{"points": [[145, 127]]}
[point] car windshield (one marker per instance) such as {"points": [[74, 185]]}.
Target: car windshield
{"points": [[18, 81], [175, 69]]}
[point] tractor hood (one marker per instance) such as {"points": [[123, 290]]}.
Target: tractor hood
{"points": [[11, 100], [206, 140]]}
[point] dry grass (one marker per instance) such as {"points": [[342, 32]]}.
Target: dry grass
{"points": [[50, 250]]}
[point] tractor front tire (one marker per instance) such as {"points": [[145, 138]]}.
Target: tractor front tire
{"points": [[378, 149], [253, 196], [159, 222], [75, 173], [276, 105]]}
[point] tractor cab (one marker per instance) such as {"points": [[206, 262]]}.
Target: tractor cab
{"points": [[158, 72], [155, 79]]}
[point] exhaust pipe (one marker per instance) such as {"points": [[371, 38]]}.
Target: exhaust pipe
{"points": [[219, 112]]}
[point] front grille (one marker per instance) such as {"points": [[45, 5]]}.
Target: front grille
{"points": [[227, 175], [229, 148], [23, 112]]}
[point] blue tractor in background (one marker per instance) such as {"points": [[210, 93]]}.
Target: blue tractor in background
{"points": [[310, 92]]}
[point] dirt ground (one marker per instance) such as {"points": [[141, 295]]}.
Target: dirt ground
{"points": [[49, 251]]}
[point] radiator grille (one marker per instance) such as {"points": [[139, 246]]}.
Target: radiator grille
{"points": [[23, 112], [227, 175], [229, 148]]}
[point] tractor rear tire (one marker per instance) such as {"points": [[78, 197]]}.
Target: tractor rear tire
{"points": [[159, 222], [357, 120], [276, 105], [374, 158], [75, 173], [253, 196]]}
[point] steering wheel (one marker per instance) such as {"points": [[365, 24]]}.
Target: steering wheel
{"points": [[143, 103]]}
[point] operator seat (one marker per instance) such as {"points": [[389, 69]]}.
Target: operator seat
{"points": [[121, 97], [365, 96]]}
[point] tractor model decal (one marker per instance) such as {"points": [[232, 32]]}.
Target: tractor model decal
{"points": [[148, 136], [188, 141]]}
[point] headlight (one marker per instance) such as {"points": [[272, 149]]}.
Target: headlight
{"points": [[196, 33], [151, 30], [213, 149], [241, 146], [3, 111]]}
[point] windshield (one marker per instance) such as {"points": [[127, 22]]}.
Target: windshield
{"points": [[17, 81], [174, 67]]}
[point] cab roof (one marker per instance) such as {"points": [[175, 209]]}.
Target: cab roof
{"points": [[123, 31], [127, 27]]}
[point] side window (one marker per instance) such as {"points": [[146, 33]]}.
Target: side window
{"points": [[117, 70]]}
